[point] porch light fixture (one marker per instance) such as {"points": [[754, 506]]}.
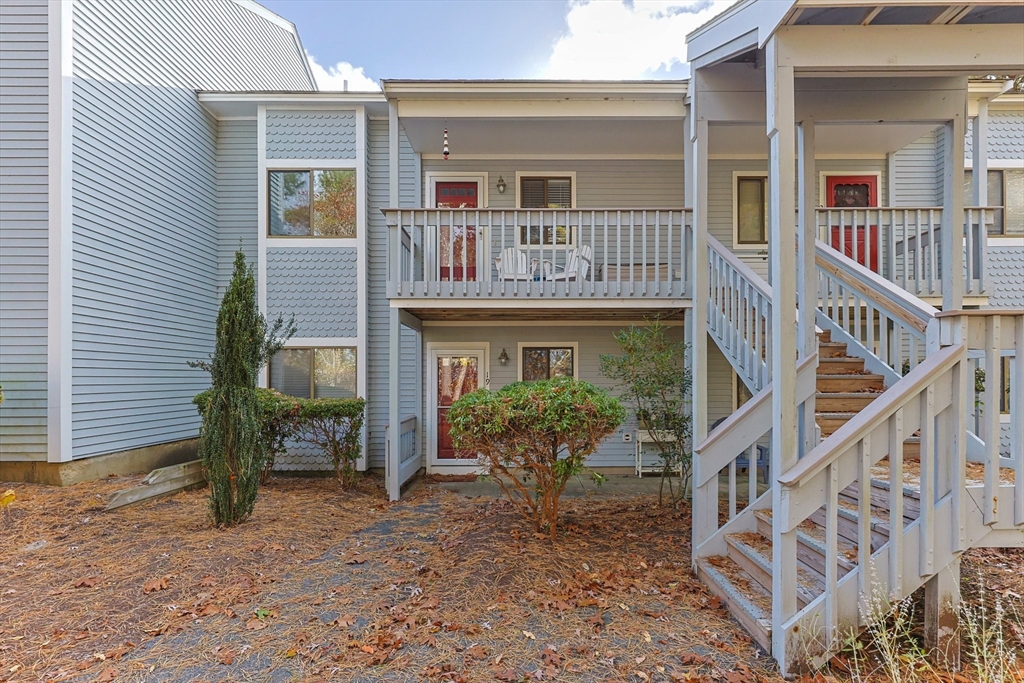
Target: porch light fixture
{"points": [[501, 185], [503, 358]]}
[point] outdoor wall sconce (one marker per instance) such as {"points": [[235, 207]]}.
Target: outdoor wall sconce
{"points": [[503, 358], [501, 190]]}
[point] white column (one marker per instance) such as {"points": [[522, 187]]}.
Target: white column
{"points": [[687, 160], [391, 454], [782, 225], [979, 156], [705, 499], [953, 216], [807, 290], [392, 155]]}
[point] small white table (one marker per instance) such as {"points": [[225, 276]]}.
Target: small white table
{"points": [[643, 436]]}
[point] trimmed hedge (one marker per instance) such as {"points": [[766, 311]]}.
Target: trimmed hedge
{"points": [[332, 424]]}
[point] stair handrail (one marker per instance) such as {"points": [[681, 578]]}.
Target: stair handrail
{"points": [[739, 315], [735, 433]]}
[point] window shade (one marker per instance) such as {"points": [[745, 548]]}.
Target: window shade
{"points": [[533, 193]]}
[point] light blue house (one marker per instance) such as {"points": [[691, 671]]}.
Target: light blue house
{"points": [[443, 236]]}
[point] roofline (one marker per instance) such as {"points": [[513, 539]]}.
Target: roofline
{"points": [[280, 21], [275, 96], [718, 18], [411, 88]]}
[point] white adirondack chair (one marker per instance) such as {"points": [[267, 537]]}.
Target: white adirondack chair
{"points": [[577, 265], [512, 265]]}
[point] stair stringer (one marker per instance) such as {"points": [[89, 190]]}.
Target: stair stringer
{"points": [[1003, 533], [743, 521]]}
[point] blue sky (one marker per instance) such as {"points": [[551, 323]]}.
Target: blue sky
{"points": [[363, 41]]}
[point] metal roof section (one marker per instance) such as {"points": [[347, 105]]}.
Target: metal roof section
{"points": [[280, 21], [749, 23]]}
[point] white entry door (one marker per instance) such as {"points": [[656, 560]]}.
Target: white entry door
{"points": [[454, 372]]}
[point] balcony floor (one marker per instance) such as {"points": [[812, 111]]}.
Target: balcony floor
{"points": [[548, 310]]}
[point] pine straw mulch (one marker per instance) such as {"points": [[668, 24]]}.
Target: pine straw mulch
{"points": [[323, 584]]}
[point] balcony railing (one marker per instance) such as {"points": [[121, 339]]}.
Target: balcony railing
{"points": [[903, 245], [538, 253]]}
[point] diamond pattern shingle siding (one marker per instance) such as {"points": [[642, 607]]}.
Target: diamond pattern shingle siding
{"points": [[1006, 276], [311, 135], [1005, 135], [318, 286]]}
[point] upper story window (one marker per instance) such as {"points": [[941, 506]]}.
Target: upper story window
{"points": [[313, 203], [545, 193], [1005, 195], [751, 210], [314, 372]]}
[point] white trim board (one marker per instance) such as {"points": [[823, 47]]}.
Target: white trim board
{"points": [[60, 238], [549, 323], [317, 164], [430, 179], [575, 346]]}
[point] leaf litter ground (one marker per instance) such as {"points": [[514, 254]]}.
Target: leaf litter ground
{"points": [[325, 584]]}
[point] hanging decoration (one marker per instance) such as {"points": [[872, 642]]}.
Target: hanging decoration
{"points": [[444, 150]]}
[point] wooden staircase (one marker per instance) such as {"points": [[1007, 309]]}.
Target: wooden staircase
{"points": [[742, 577]]}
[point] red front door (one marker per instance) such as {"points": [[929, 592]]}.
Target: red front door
{"points": [[855, 236], [457, 375], [462, 243]]}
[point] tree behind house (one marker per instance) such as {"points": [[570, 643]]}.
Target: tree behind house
{"points": [[230, 444]]}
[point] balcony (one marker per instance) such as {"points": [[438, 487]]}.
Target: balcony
{"points": [[593, 256]]}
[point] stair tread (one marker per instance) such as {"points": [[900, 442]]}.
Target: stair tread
{"points": [[746, 599], [758, 550], [813, 536]]}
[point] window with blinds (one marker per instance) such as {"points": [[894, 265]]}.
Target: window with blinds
{"points": [[546, 193]]}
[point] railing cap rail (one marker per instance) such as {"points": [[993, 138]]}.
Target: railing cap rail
{"points": [[882, 408], [981, 312], [584, 209]]}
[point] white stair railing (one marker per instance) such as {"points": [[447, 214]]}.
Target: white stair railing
{"points": [[929, 401], [740, 315], [894, 328]]}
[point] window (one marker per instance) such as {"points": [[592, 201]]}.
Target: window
{"points": [[312, 203], [314, 373], [545, 193], [547, 362], [1005, 191], [751, 210], [1004, 395], [742, 392]]}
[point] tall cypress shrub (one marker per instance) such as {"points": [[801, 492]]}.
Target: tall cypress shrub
{"points": [[230, 446]]}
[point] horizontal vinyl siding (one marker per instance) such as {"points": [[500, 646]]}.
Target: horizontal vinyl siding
{"points": [[593, 342], [915, 173], [23, 228], [146, 205], [613, 183], [378, 312], [237, 196]]}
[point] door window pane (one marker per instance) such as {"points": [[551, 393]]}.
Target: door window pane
{"points": [[289, 203], [751, 210], [289, 372], [995, 198], [334, 373], [1013, 203], [334, 203]]}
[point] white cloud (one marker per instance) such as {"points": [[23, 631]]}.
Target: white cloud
{"points": [[334, 77], [616, 39]]}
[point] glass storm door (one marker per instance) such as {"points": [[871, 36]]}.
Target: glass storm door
{"points": [[458, 250], [457, 375], [854, 192]]}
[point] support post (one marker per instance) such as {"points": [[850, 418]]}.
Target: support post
{"points": [[979, 156], [391, 455], [705, 498], [807, 292], [953, 215], [941, 632], [781, 125]]}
